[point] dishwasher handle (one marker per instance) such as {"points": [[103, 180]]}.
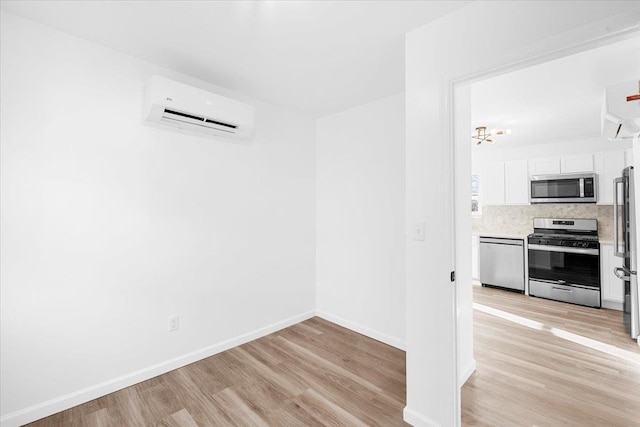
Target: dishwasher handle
{"points": [[502, 241]]}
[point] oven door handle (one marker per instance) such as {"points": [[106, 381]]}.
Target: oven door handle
{"points": [[565, 249]]}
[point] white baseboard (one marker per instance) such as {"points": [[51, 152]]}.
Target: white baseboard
{"points": [[50, 407], [466, 374], [378, 336], [417, 420], [613, 305]]}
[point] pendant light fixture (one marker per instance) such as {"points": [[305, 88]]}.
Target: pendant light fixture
{"points": [[483, 136]]}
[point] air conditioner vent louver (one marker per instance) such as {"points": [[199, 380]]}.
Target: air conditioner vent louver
{"points": [[193, 120], [221, 124], [179, 113], [191, 109]]}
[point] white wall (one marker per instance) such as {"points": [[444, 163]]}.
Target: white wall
{"points": [[360, 219], [446, 50], [110, 226]]}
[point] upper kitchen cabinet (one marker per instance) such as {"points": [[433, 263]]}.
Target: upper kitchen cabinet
{"points": [[628, 157], [507, 183], [494, 184], [609, 165], [550, 165], [564, 164], [516, 187], [576, 164]]}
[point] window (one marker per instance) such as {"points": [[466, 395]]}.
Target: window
{"points": [[476, 207]]}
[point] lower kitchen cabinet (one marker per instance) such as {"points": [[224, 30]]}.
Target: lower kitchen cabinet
{"points": [[475, 254], [612, 290]]}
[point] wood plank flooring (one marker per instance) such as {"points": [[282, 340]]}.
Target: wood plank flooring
{"points": [[314, 373], [531, 377]]}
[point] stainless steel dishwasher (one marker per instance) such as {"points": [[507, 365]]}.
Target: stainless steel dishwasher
{"points": [[502, 263]]}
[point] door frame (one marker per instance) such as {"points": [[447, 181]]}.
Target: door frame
{"points": [[460, 153]]}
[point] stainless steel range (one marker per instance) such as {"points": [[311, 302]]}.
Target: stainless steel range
{"points": [[564, 260]]}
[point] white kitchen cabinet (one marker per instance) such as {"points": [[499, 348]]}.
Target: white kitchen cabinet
{"points": [[611, 287], [549, 165], [576, 164], [506, 183], [628, 157], [493, 185], [516, 185], [475, 253], [609, 165]]}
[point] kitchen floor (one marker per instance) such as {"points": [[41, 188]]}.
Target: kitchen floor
{"points": [[548, 363]]}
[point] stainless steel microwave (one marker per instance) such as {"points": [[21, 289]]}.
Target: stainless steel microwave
{"points": [[564, 188]]}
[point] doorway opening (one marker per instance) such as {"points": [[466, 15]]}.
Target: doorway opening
{"points": [[513, 99]]}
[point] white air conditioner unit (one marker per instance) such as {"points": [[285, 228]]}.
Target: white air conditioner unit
{"points": [[621, 110], [191, 109]]}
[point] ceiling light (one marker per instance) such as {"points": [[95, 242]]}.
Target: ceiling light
{"points": [[483, 136]]}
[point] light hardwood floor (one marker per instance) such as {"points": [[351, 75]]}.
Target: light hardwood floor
{"points": [[531, 377], [314, 373], [317, 373]]}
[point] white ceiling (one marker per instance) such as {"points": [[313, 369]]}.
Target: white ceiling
{"points": [[556, 101], [317, 57]]}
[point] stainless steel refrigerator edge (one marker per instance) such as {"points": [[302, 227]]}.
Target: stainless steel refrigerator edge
{"points": [[625, 247]]}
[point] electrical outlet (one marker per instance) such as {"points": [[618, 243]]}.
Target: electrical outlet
{"points": [[174, 323], [418, 231]]}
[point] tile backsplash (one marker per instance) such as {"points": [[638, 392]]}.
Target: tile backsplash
{"points": [[517, 220]]}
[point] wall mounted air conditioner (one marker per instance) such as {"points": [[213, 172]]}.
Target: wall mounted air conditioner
{"points": [[190, 109], [621, 110]]}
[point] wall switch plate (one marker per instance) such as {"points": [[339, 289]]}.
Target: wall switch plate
{"points": [[418, 231], [174, 323]]}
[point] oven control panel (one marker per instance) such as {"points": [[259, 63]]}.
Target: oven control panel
{"points": [[567, 242]]}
